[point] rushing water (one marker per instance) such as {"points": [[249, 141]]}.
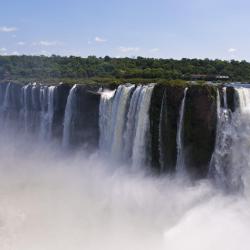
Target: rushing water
{"points": [[69, 117], [52, 200], [180, 162], [124, 123], [229, 165]]}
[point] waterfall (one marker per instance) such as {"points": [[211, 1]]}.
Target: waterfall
{"points": [[113, 110], [130, 128], [124, 123], [224, 89], [243, 97], [44, 112], [7, 98], [141, 146], [7, 107], [119, 110], [47, 100], [5, 103], [180, 162], [230, 163], [105, 116], [51, 106], [220, 160], [26, 115], [68, 117]]}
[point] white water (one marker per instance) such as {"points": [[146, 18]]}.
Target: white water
{"points": [[130, 128], [68, 117], [105, 118], [51, 108], [141, 146], [230, 163], [53, 202], [49, 201], [26, 107], [113, 113], [119, 110], [44, 113], [180, 162], [224, 89]]}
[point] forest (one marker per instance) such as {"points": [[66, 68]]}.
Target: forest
{"points": [[93, 69]]}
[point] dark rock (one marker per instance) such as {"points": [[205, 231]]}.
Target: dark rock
{"points": [[199, 128]]}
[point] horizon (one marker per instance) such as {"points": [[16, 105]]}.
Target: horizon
{"points": [[151, 29], [130, 57]]}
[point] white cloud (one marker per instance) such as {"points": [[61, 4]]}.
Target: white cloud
{"points": [[100, 40], [155, 50], [47, 43], [3, 50], [15, 53], [21, 43], [128, 49], [7, 29], [232, 50]]}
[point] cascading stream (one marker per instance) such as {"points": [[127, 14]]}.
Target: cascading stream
{"points": [[113, 110], [141, 146], [180, 162], [229, 165], [68, 117]]}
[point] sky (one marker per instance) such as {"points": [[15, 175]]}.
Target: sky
{"points": [[129, 28]]}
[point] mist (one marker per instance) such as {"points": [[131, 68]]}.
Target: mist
{"points": [[53, 200]]}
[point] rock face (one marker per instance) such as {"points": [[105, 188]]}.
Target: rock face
{"points": [[71, 115], [62, 93], [155, 112], [199, 128], [164, 114], [231, 98], [85, 117]]}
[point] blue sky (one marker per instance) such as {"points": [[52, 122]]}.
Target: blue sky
{"points": [[159, 28]]}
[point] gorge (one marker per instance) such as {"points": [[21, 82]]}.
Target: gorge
{"points": [[97, 166], [168, 129]]}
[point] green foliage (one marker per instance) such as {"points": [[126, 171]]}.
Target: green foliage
{"points": [[137, 70]]}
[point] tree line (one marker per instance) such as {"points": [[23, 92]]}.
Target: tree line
{"points": [[93, 69]]}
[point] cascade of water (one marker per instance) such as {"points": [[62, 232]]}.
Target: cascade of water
{"points": [[51, 107], [7, 98], [6, 106], [44, 112], [2, 95], [180, 161], [113, 110], [230, 163], [243, 97], [105, 117], [221, 157], [130, 129], [224, 89], [119, 111], [68, 117], [141, 146], [26, 115], [5, 102], [47, 100]]}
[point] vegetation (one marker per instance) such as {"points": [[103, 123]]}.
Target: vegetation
{"points": [[116, 70]]}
